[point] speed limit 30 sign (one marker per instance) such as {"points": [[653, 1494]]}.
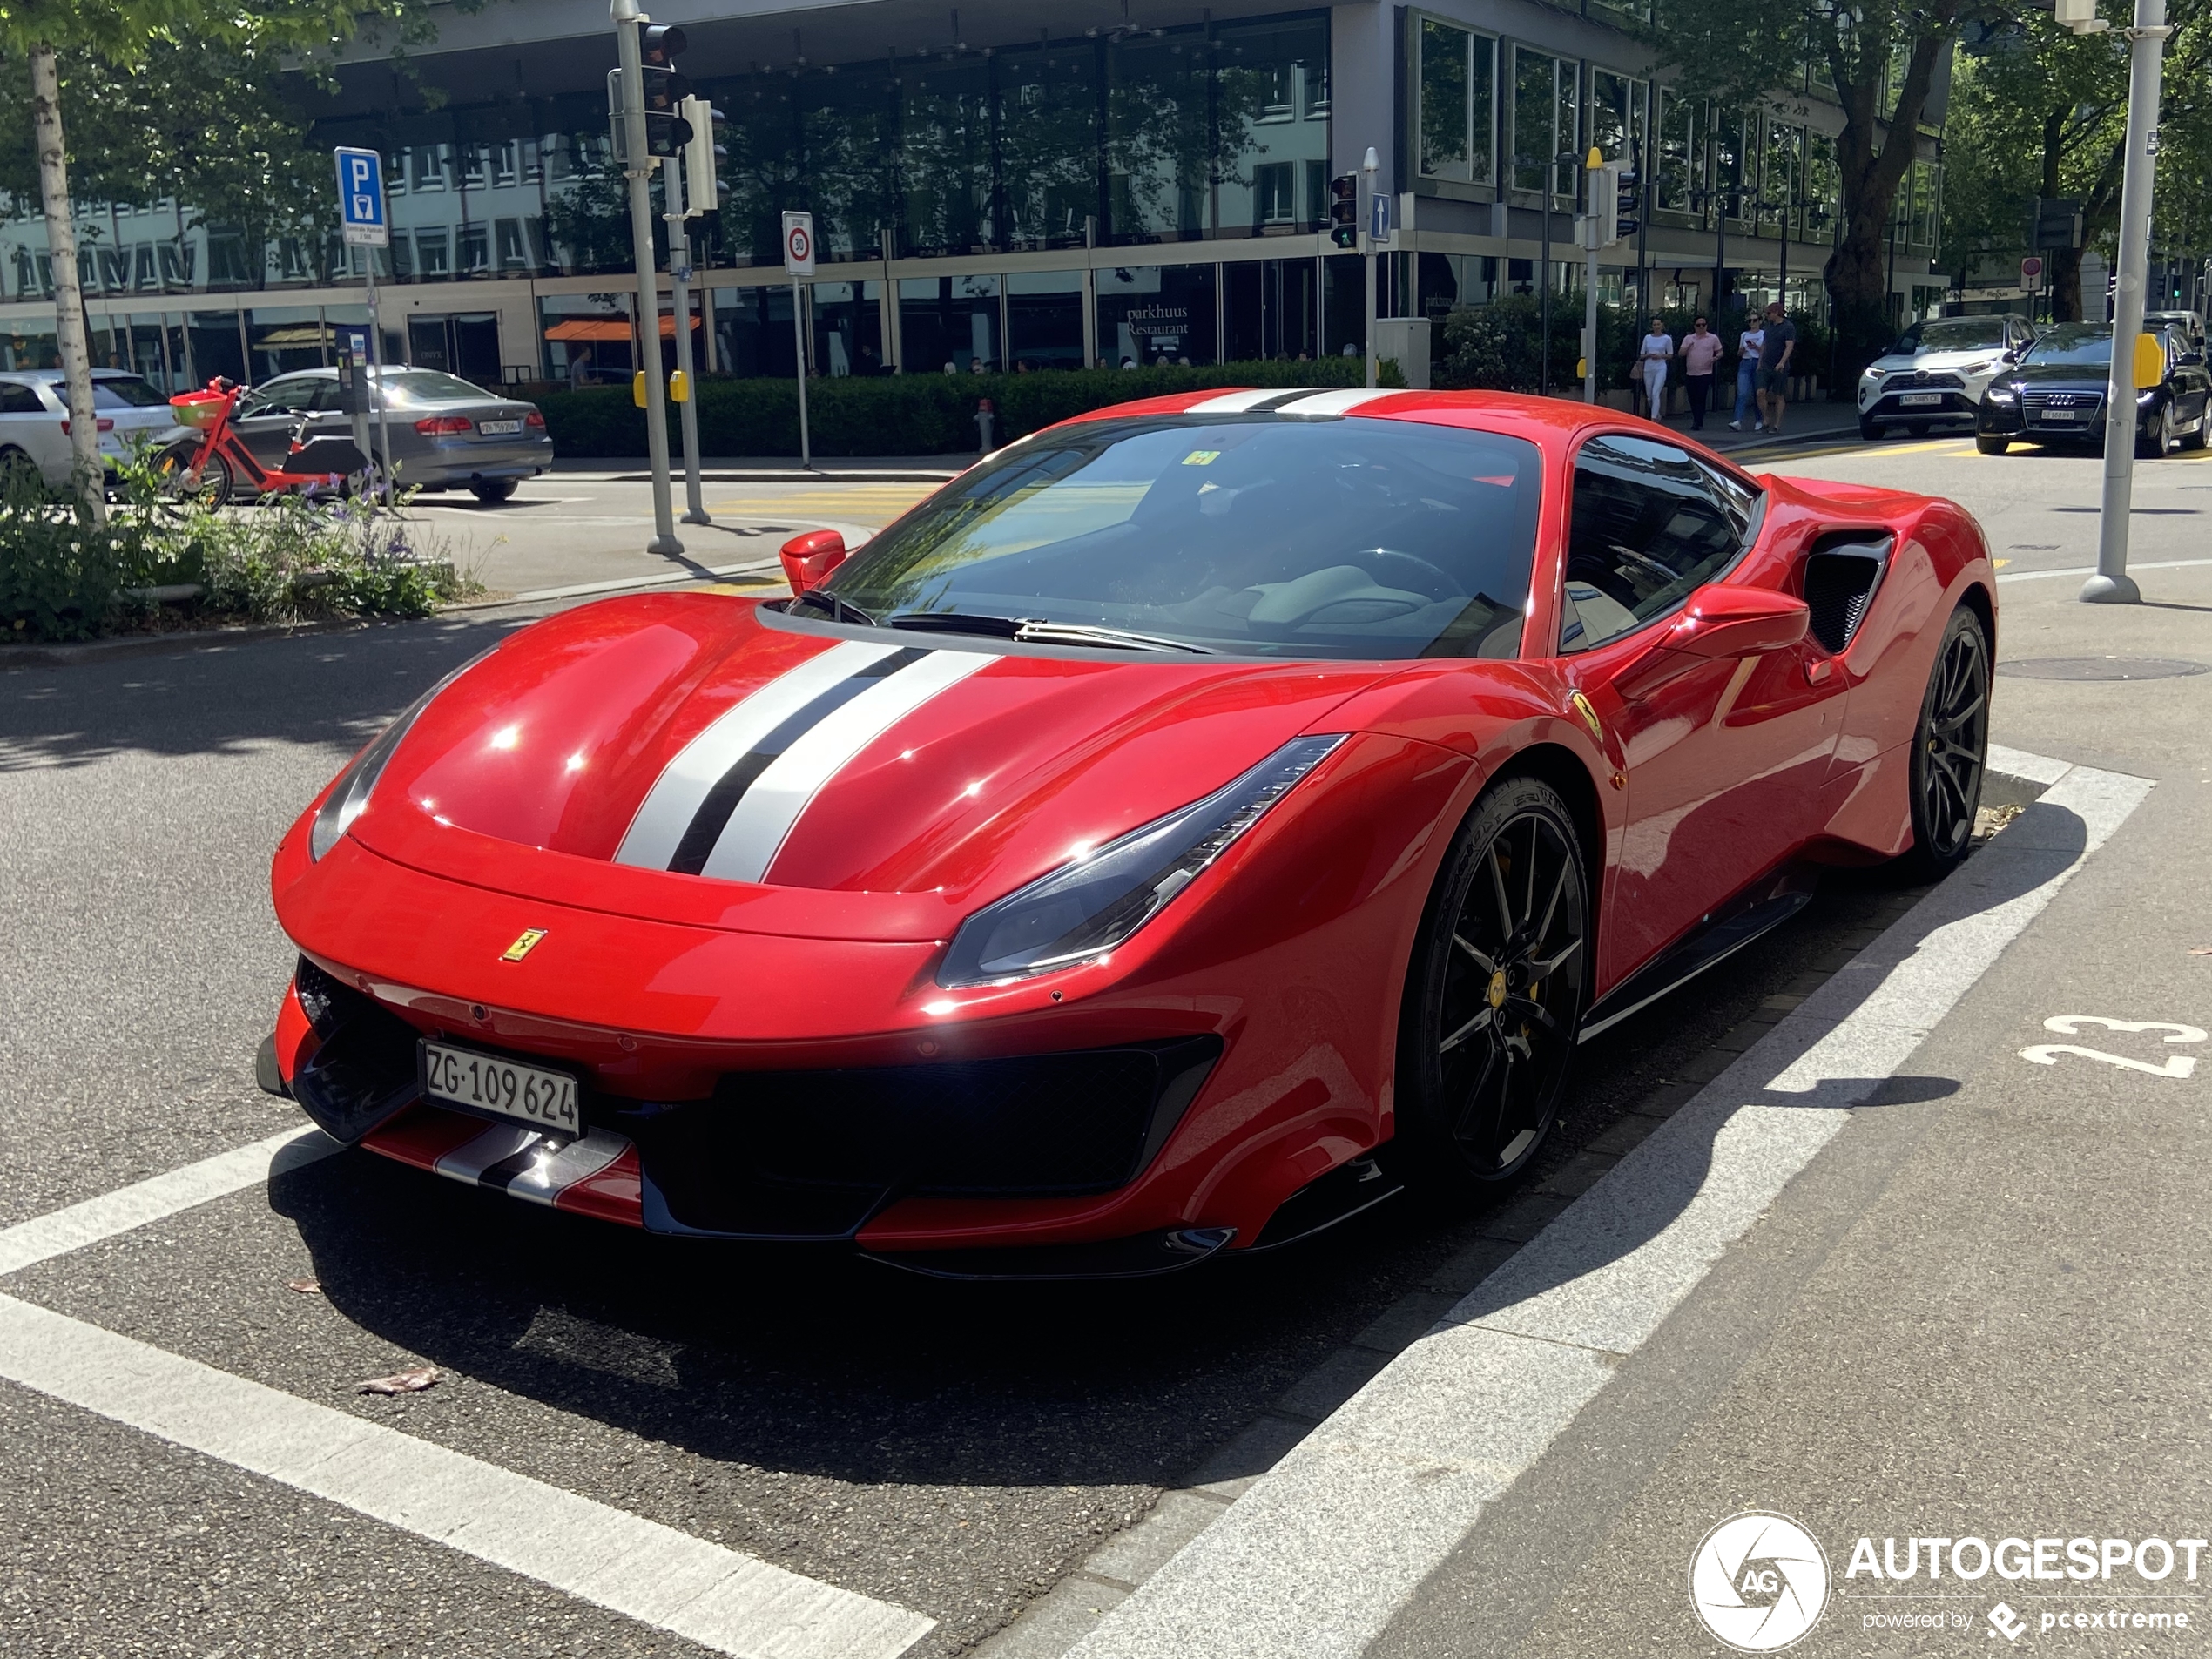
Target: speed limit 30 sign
{"points": [[799, 244]]}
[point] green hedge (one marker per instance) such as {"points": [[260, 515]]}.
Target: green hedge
{"points": [[902, 415]]}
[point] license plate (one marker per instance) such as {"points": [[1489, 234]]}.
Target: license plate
{"points": [[499, 428], [1921, 399], [544, 1099], [2058, 414]]}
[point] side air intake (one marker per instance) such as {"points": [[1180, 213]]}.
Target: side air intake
{"points": [[1841, 575]]}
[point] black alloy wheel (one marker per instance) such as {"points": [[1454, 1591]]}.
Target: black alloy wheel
{"points": [[1951, 748], [1494, 996], [1991, 443], [492, 491]]}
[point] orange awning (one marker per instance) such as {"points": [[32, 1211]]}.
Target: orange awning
{"points": [[606, 328]]}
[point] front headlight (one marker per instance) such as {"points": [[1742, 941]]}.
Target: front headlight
{"points": [[1091, 906], [348, 797], [1999, 394]]}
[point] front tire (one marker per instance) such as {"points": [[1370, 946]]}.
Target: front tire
{"points": [[1950, 749], [1495, 992], [215, 484], [1991, 443], [1870, 430], [492, 491]]}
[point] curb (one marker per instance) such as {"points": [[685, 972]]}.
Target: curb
{"points": [[85, 652], [1068, 1613]]}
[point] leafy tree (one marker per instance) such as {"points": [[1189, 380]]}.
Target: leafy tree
{"points": [[122, 38], [2037, 111], [1881, 55]]}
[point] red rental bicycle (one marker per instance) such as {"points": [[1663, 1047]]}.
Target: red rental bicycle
{"points": [[257, 455]]}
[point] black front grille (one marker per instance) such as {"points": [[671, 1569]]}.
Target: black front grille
{"points": [[2061, 400], [363, 1068], [813, 1153]]}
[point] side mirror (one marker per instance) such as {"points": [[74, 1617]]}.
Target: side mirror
{"points": [[1724, 620], [809, 559], [1720, 621], [2194, 358]]}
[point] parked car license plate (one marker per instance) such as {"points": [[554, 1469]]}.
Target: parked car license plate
{"points": [[2058, 414], [545, 1100], [1920, 399], [499, 428]]}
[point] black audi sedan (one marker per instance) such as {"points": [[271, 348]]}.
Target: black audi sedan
{"points": [[2056, 394]]}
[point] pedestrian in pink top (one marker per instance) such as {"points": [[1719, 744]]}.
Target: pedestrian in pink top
{"points": [[1700, 350]]}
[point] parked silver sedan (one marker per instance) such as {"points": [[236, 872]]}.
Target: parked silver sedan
{"points": [[445, 433], [34, 419]]}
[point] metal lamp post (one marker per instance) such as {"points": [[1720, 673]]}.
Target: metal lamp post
{"points": [[2145, 47]]}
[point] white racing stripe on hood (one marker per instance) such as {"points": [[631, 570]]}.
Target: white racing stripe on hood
{"points": [[756, 830], [1336, 402], [1241, 402], [676, 795]]}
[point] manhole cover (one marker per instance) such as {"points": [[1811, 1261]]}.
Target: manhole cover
{"points": [[2101, 668]]}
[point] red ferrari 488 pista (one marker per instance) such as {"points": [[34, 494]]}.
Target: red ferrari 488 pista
{"points": [[1181, 828]]}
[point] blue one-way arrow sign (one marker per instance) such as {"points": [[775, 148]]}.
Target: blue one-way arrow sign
{"points": [[361, 198]]}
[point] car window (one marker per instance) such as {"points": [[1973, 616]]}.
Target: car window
{"points": [[1259, 535], [125, 392], [1649, 523], [295, 395], [18, 399], [427, 386], [2083, 345]]}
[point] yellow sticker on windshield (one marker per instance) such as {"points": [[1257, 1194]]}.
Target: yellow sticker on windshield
{"points": [[1201, 457]]}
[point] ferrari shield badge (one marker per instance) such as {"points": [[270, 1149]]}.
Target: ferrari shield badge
{"points": [[523, 946]]}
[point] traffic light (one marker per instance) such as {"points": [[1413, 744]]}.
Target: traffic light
{"points": [[666, 130], [2058, 222], [701, 186], [1344, 210], [1617, 207]]}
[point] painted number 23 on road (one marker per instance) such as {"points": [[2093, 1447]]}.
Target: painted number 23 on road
{"points": [[2177, 1065]]}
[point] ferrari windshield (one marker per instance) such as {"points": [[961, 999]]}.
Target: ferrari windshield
{"points": [[1260, 534], [2073, 343]]}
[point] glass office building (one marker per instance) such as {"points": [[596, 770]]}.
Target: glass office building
{"points": [[1009, 195]]}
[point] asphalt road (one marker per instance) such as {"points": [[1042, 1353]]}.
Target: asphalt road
{"points": [[952, 1449]]}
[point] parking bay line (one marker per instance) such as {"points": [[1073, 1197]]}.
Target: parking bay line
{"points": [[720, 1598], [1317, 1557], [2091, 570]]}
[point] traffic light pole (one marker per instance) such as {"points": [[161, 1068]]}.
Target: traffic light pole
{"points": [[639, 172], [1593, 176], [1367, 171], [673, 184], [2145, 47]]}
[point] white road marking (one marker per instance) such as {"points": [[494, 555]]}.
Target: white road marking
{"points": [[1313, 1561], [2047, 1054], [718, 1597], [2091, 570], [59, 1231]]}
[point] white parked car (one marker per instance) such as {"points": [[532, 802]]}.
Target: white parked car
{"points": [[34, 419], [1938, 371]]}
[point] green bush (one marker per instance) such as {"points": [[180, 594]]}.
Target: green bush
{"points": [[902, 415], [286, 560]]}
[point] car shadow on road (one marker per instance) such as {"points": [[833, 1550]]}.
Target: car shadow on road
{"points": [[813, 1361]]}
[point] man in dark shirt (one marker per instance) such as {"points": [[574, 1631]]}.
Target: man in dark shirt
{"points": [[1774, 365]]}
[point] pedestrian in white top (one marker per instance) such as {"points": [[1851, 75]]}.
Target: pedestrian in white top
{"points": [[1658, 347]]}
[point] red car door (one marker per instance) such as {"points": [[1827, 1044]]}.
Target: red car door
{"points": [[1722, 757]]}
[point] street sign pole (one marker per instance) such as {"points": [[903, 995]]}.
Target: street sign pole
{"points": [[361, 215], [1368, 169], [1594, 176], [679, 270], [798, 261], [638, 169], [2146, 46]]}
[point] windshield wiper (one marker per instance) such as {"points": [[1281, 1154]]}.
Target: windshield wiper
{"points": [[823, 599], [1039, 631]]}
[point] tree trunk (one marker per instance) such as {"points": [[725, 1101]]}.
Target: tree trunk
{"points": [[1859, 271], [2061, 266], [89, 479]]}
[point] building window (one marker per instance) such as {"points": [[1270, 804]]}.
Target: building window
{"points": [[432, 254], [429, 168], [513, 256], [473, 248], [1617, 112], [1678, 173], [1457, 80], [1275, 193], [1544, 127]]}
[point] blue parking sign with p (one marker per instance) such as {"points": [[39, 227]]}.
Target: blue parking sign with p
{"points": [[360, 198]]}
